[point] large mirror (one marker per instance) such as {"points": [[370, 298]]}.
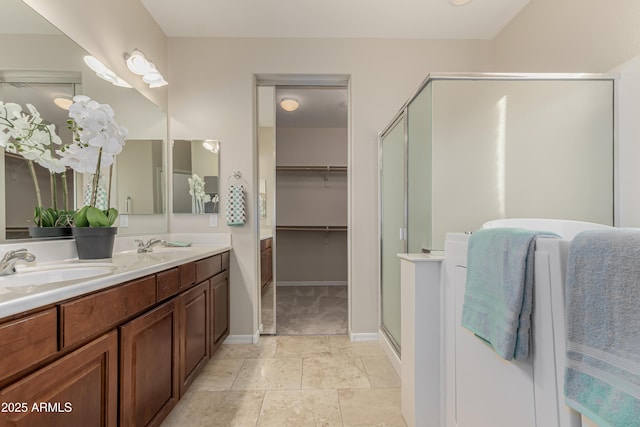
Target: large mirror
{"points": [[140, 177], [196, 165], [39, 64]]}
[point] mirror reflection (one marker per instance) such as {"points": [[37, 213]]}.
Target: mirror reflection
{"points": [[140, 177], [195, 176], [40, 64]]}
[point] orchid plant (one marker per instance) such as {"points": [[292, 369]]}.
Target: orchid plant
{"points": [[27, 134], [198, 196], [98, 139]]}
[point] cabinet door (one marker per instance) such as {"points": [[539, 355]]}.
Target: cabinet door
{"points": [[80, 389], [220, 309], [264, 267], [149, 386], [269, 265], [195, 312]]}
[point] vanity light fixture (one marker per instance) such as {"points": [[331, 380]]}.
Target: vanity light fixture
{"points": [[459, 2], [140, 65], [289, 104], [63, 103], [104, 72], [212, 145]]}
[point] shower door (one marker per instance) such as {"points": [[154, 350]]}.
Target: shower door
{"points": [[393, 225]]}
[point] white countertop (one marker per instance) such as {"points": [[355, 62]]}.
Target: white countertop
{"points": [[127, 265], [434, 256]]}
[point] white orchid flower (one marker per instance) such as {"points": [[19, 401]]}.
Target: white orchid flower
{"points": [[26, 133]]}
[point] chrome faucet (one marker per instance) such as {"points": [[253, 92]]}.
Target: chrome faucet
{"points": [[147, 247], [9, 260]]}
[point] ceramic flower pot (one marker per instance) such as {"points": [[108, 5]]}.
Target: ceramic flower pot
{"points": [[38, 232], [94, 242]]}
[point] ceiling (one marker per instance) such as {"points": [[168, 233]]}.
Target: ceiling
{"points": [[407, 19], [319, 107]]}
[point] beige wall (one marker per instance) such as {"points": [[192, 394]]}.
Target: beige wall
{"points": [[312, 146], [212, 93], [586, 36], [569, 36]]}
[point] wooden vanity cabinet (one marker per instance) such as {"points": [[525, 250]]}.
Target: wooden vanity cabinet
{"points": [[149, 353], [194, 307], [80, 389], [119, 356], [220, 308]]}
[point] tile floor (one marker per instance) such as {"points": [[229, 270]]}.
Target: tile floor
{"points": [[294, 381]]}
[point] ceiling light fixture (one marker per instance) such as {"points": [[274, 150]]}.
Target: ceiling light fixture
{"points": [[289, 104], [104, 72], [212, 145], [459, 2], [63, 103], [140, 65]]}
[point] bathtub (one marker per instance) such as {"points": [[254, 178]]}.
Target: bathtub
{"points": [[482, 389]]}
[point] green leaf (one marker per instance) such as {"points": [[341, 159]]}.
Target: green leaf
{"points": [[97, 218], [44, 217], [112, 215], [80, 218]]}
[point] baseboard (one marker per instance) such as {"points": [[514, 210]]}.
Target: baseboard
{"points": [[390, 352], [242, 339], [359, 337], [315, 283]]}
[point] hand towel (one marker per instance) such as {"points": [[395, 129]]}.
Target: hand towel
{"points": [[499, 288], [235, 206], [602, 373]]}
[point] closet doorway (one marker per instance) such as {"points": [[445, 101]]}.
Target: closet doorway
{"points": [[303, 206]]}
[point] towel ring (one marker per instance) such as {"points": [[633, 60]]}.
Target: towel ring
{"points": [[236, 175]]}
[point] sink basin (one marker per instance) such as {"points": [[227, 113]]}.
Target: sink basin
{"points": [[42, 275]]}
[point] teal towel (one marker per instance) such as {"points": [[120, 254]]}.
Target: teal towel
{"points": [[602, 373], [235, 206], [499, 289]]}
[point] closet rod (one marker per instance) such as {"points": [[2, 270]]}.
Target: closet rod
{"points": [[313, 168], [310, 228]]}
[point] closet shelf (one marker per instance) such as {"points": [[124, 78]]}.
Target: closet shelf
{"points": [[311, 228], [312, 168]]}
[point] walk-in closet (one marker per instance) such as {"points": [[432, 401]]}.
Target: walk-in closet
{"points": [[304, 213]]}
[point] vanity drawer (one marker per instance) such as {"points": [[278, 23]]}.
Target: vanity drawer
{"points": [[187, 274], [90, 315], [208, 267], [168, 283], [225, 261], [27, 341]]}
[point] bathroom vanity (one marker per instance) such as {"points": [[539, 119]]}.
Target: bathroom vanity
{"points": [[123, 349]]}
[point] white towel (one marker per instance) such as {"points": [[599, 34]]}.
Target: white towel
{"points": [[603, 324], [235, 206]]}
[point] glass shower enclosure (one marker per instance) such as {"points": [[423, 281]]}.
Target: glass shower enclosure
{"points": [[466, 149]]}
